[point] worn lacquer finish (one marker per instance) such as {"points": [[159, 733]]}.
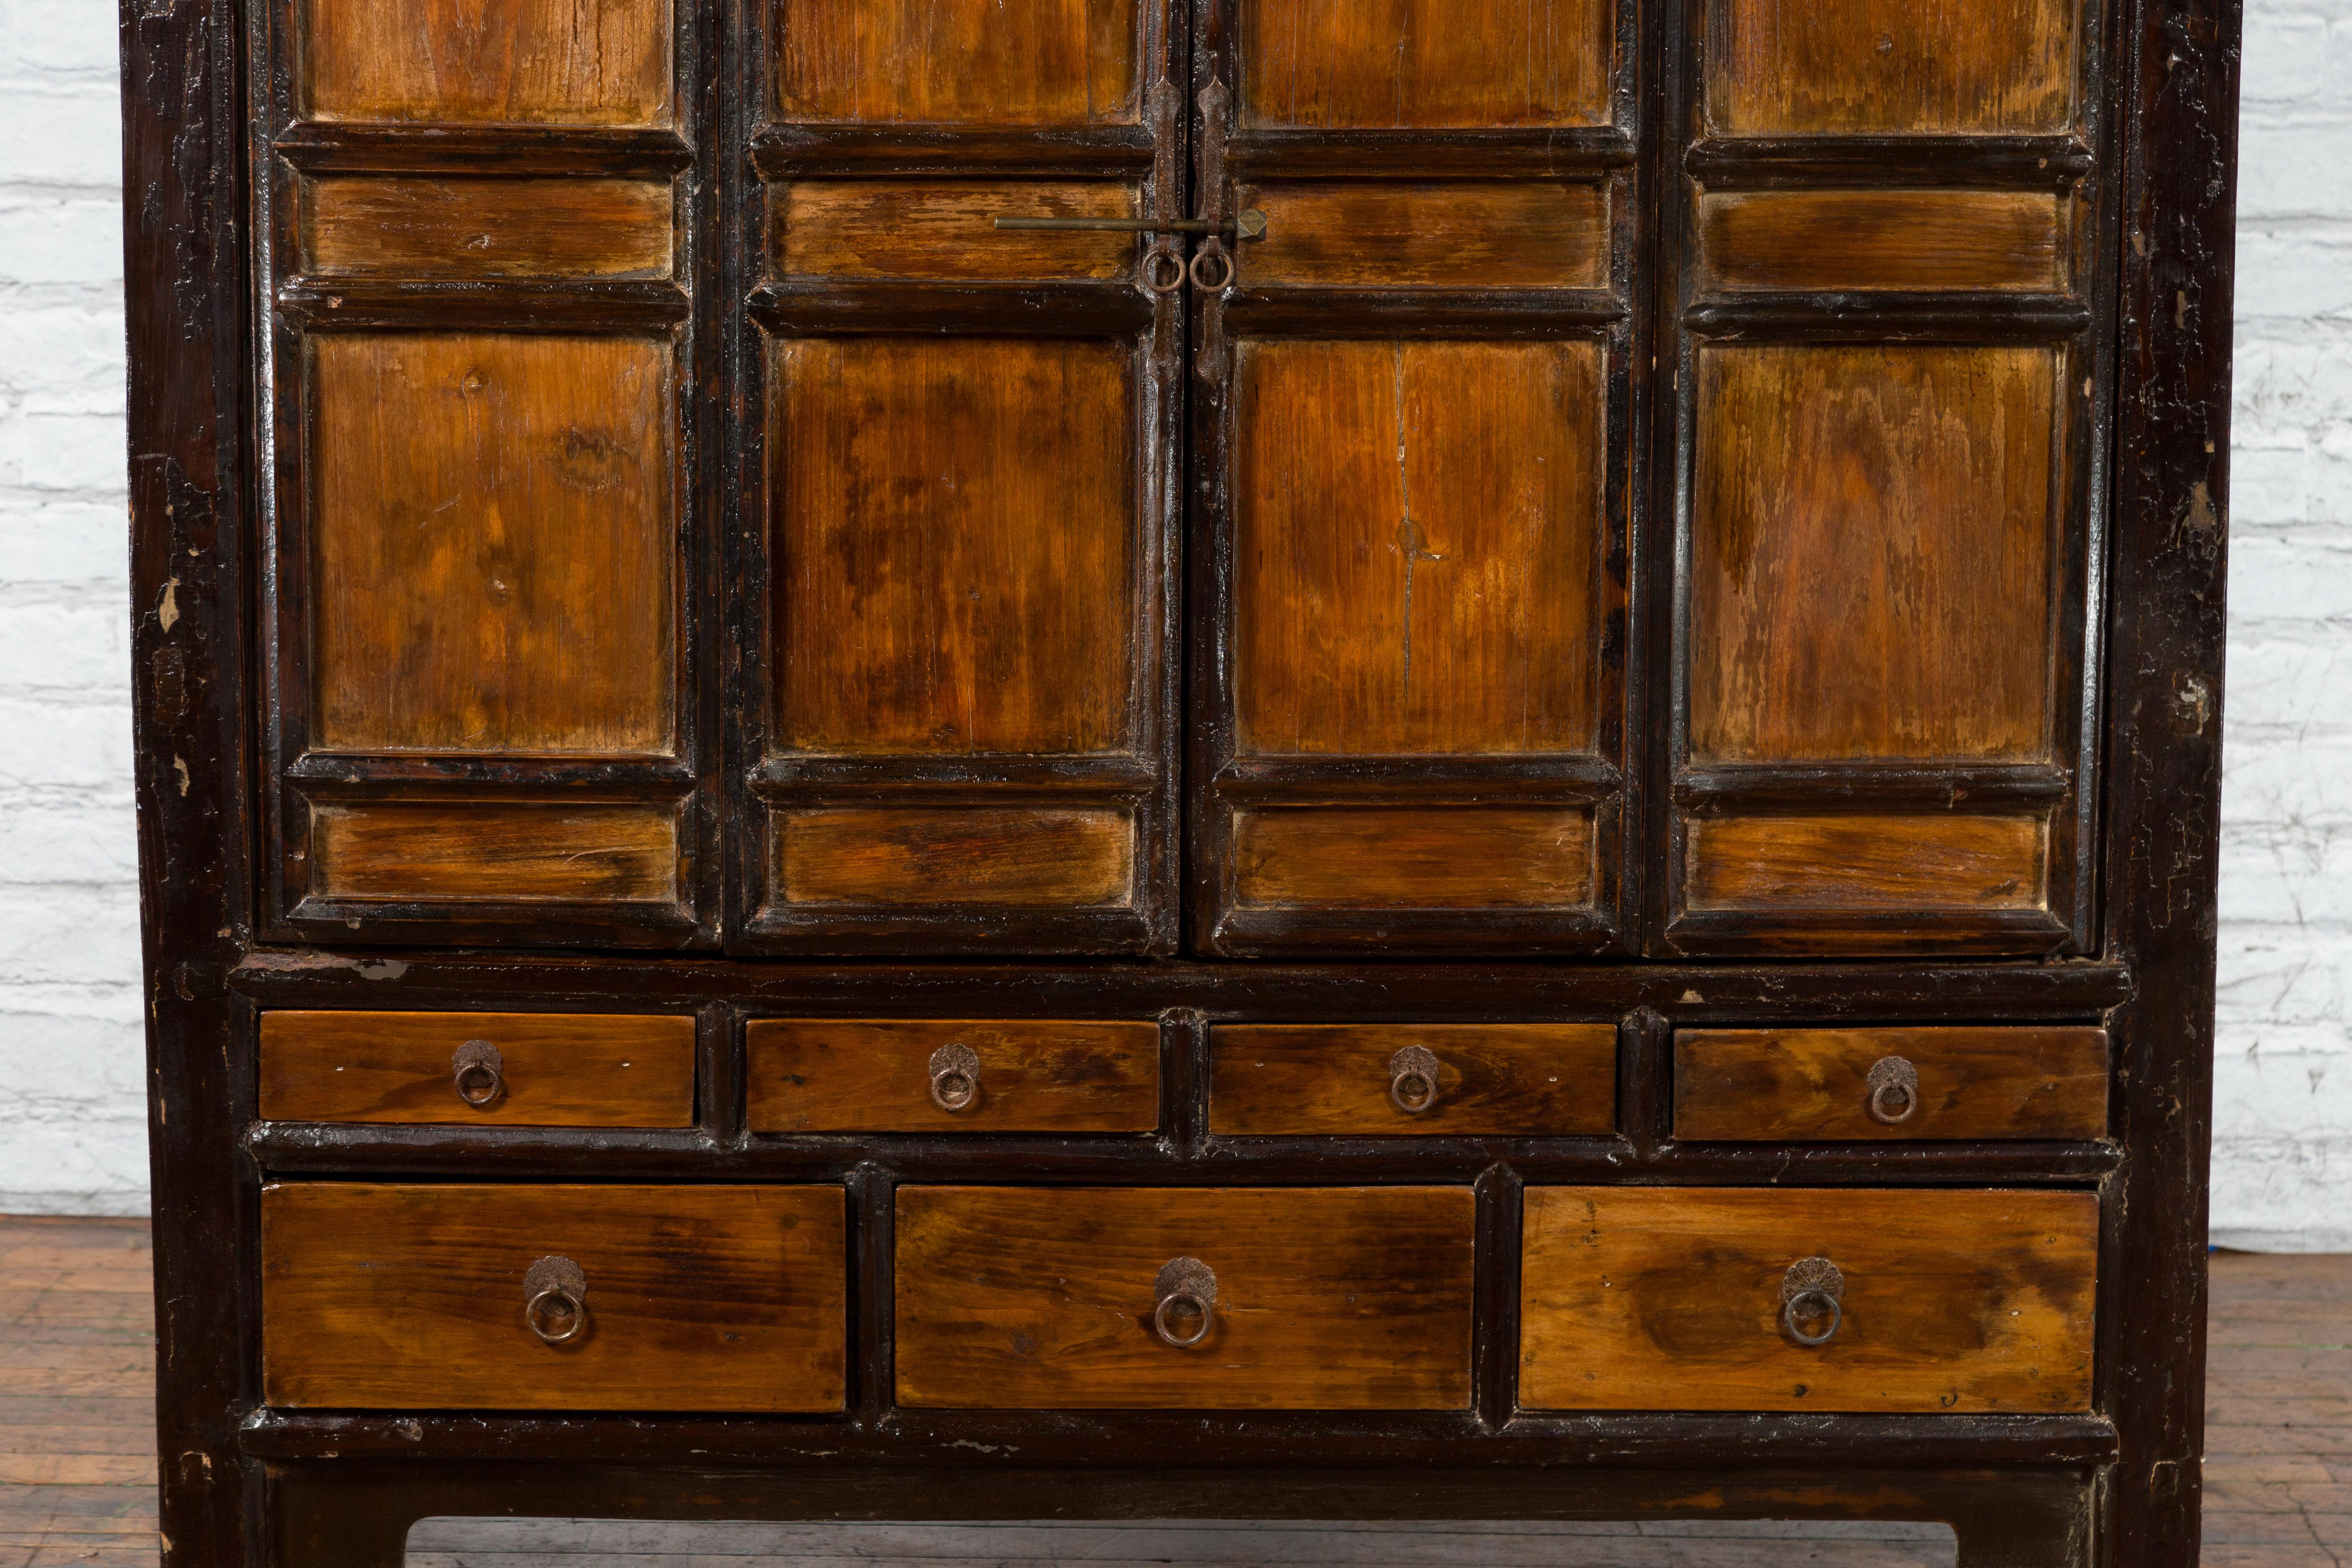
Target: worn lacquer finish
{"points": [[995, 62], [2008, 240], [1534, 1080], [1671, 1299], [1034, 856], [1859, 66], [1425, 62], [874, 1075], [1337, 1298], [1868, 862], [578, 1069], [1414, 858], [579, 62], [533, 851], [1361, 234], [1809, 1085], [395, 227], [945, 230]]}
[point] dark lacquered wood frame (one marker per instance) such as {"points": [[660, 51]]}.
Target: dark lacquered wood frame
{"points": [[243, 1485]]}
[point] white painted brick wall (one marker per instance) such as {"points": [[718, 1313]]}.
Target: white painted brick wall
{"points": [[71, 1116]]}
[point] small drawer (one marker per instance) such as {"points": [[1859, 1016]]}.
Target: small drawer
{"points": [[1173, 1299], [500, 1070], [868, 1075], [552, 1297], [1701, 1299], [1434, 1079], [1824, 1086]]}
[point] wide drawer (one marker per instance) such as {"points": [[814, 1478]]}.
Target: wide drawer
{"points": [[1858, 1085], [501, 1070], [927, 1075], [719, 1299], [1700, 1299], [1158, 1297], [1435, 1079]]}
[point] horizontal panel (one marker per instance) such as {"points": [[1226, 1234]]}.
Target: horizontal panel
{"points": [[407, 1298], [572, 1069], [1440, 856], [495, 852], [946, 229], [1919, 863], [387, 226], [582, 62], [1871, 553], [1917, 240], [493, 543], [1466, 63], [868, 1075], [1839, 1085], [1487, 1080], [1346, 1298], [1677, 1299], [1860, 66], [1417, 527], [1054, 62], [1021, 855], [1428, 235]]}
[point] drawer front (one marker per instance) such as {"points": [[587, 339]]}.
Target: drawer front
{"points": [[1527, 1079], [717, 1298], [1335, 1299], [543, 1069], [1857, 1085], [863, 1075], [1697, 1298]]}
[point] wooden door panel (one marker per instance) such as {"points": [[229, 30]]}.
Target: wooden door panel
{"points": [[402, 227], [1365, 63], [1038, 858], [1861, 65], [577, 62], [1429, 233], [494, 535], [1884, 864], [510, 852], [993, 62], [1376, 857], [941, 230], [1884, 240]]}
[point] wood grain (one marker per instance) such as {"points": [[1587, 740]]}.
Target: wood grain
{"points": [[1812, 1084], [1859, 863], [1872, 552], [1858, 65], [1019, 856], [1446, 858], [407, 1298], [1670, 1298], [1417, 533], [485, 851], [989, 62], [581, 62], [493, 539], [946, 229], [1882, 240], [1532, 1080], [1332, 1298], [1364, 63], [1428, 235], [389, 226], [957, 533], [873, 1075], [571, 1069]]}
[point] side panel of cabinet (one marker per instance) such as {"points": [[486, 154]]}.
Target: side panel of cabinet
{"points": [[954, 705], [484, 596], [1412, 440]]}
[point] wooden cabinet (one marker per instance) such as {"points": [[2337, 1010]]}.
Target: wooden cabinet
{"points": [[1169, 757]]}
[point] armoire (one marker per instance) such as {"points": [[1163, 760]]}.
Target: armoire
{"points": [[969, 760]]}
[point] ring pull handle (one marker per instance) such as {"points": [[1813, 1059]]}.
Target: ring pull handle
{"points": [[481, 1073], [1413, 1079], [1162, 270], [1187, 1292], [1212, 267], [1812, 1289], [955, 1079], [1894, 1091], [555, 1299]]}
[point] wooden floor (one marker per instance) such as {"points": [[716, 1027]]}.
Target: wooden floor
{"points": [[78, 1468]]}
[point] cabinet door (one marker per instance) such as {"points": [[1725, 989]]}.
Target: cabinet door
{"points": [[1411, 445], [480, 291], [1887, 382], [957, 669]]}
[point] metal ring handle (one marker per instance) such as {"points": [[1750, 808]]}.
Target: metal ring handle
{"points": [[479, 1072], [1795, 1307], [955, 1079], [1412, 1080], [1150, 269], [1212, 252], [554, 1289], [1894, 1091], [1186, 1284]]}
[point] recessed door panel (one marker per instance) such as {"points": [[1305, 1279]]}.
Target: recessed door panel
{"points": [[1368, 63], [536, 62], [995, 62], [1863, 66]]}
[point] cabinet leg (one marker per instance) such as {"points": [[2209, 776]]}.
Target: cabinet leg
{"points": [[315, 1523]]}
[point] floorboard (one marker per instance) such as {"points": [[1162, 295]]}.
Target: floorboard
{"points": [[77, 1467]]}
